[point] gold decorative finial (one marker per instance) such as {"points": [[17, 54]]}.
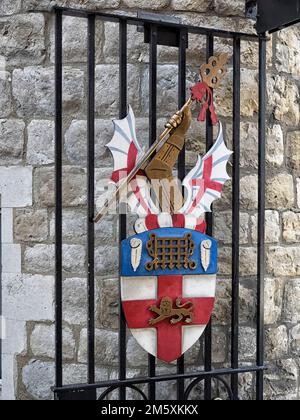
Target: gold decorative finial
{"points": [[213, 72]]}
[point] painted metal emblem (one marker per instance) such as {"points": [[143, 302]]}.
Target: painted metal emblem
{"points": [[169, 268], [168, 308]]}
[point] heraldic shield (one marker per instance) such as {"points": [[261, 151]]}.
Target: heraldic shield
{"points": [[168, 283], [169, 268]]}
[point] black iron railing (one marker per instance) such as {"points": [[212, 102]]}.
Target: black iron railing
{"points": [[158, 31]]}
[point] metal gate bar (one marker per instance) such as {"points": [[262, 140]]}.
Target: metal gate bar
{"points": [[91, 201], [58, 200], [138, 21], [236, 213], [209, 232], [261, 214], [122, 219], [152, 139], [183, 40], [162, 378], [88, 390]]}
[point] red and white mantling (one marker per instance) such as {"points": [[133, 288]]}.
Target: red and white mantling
{"points": [[203, 184], [163, 220]]}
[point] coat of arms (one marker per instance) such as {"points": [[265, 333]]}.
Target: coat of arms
{"points": [[169, 268]]}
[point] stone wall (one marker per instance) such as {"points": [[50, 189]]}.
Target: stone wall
{"points": [[26, 185]]}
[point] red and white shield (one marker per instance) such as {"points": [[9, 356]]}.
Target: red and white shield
{"points": [[144, 297], [168, 292]]}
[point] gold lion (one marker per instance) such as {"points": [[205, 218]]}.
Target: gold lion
{"points": [[166, 310]]}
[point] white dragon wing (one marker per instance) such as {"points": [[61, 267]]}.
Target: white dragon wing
{"points": [[205, 181], [124, 147], [127, 152]]}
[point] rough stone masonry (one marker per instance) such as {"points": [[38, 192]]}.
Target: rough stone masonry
{"points": [[27, 194]]}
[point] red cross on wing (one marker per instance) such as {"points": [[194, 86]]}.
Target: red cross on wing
{"points": [[126, 152], [205, 181]]}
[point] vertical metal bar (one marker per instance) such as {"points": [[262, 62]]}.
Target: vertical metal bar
{"points": [[181, 161], [236, 214], [123, 218], [182, 91], [58, 199], [261, 215], [153, 85], [151, 373], [152, 138], [209, 221], [91, 199]]}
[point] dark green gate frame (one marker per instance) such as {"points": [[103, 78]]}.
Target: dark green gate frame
{"points": [[158, 31]]}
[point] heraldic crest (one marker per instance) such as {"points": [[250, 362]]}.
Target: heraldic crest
{"points": [[169, 267]]}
